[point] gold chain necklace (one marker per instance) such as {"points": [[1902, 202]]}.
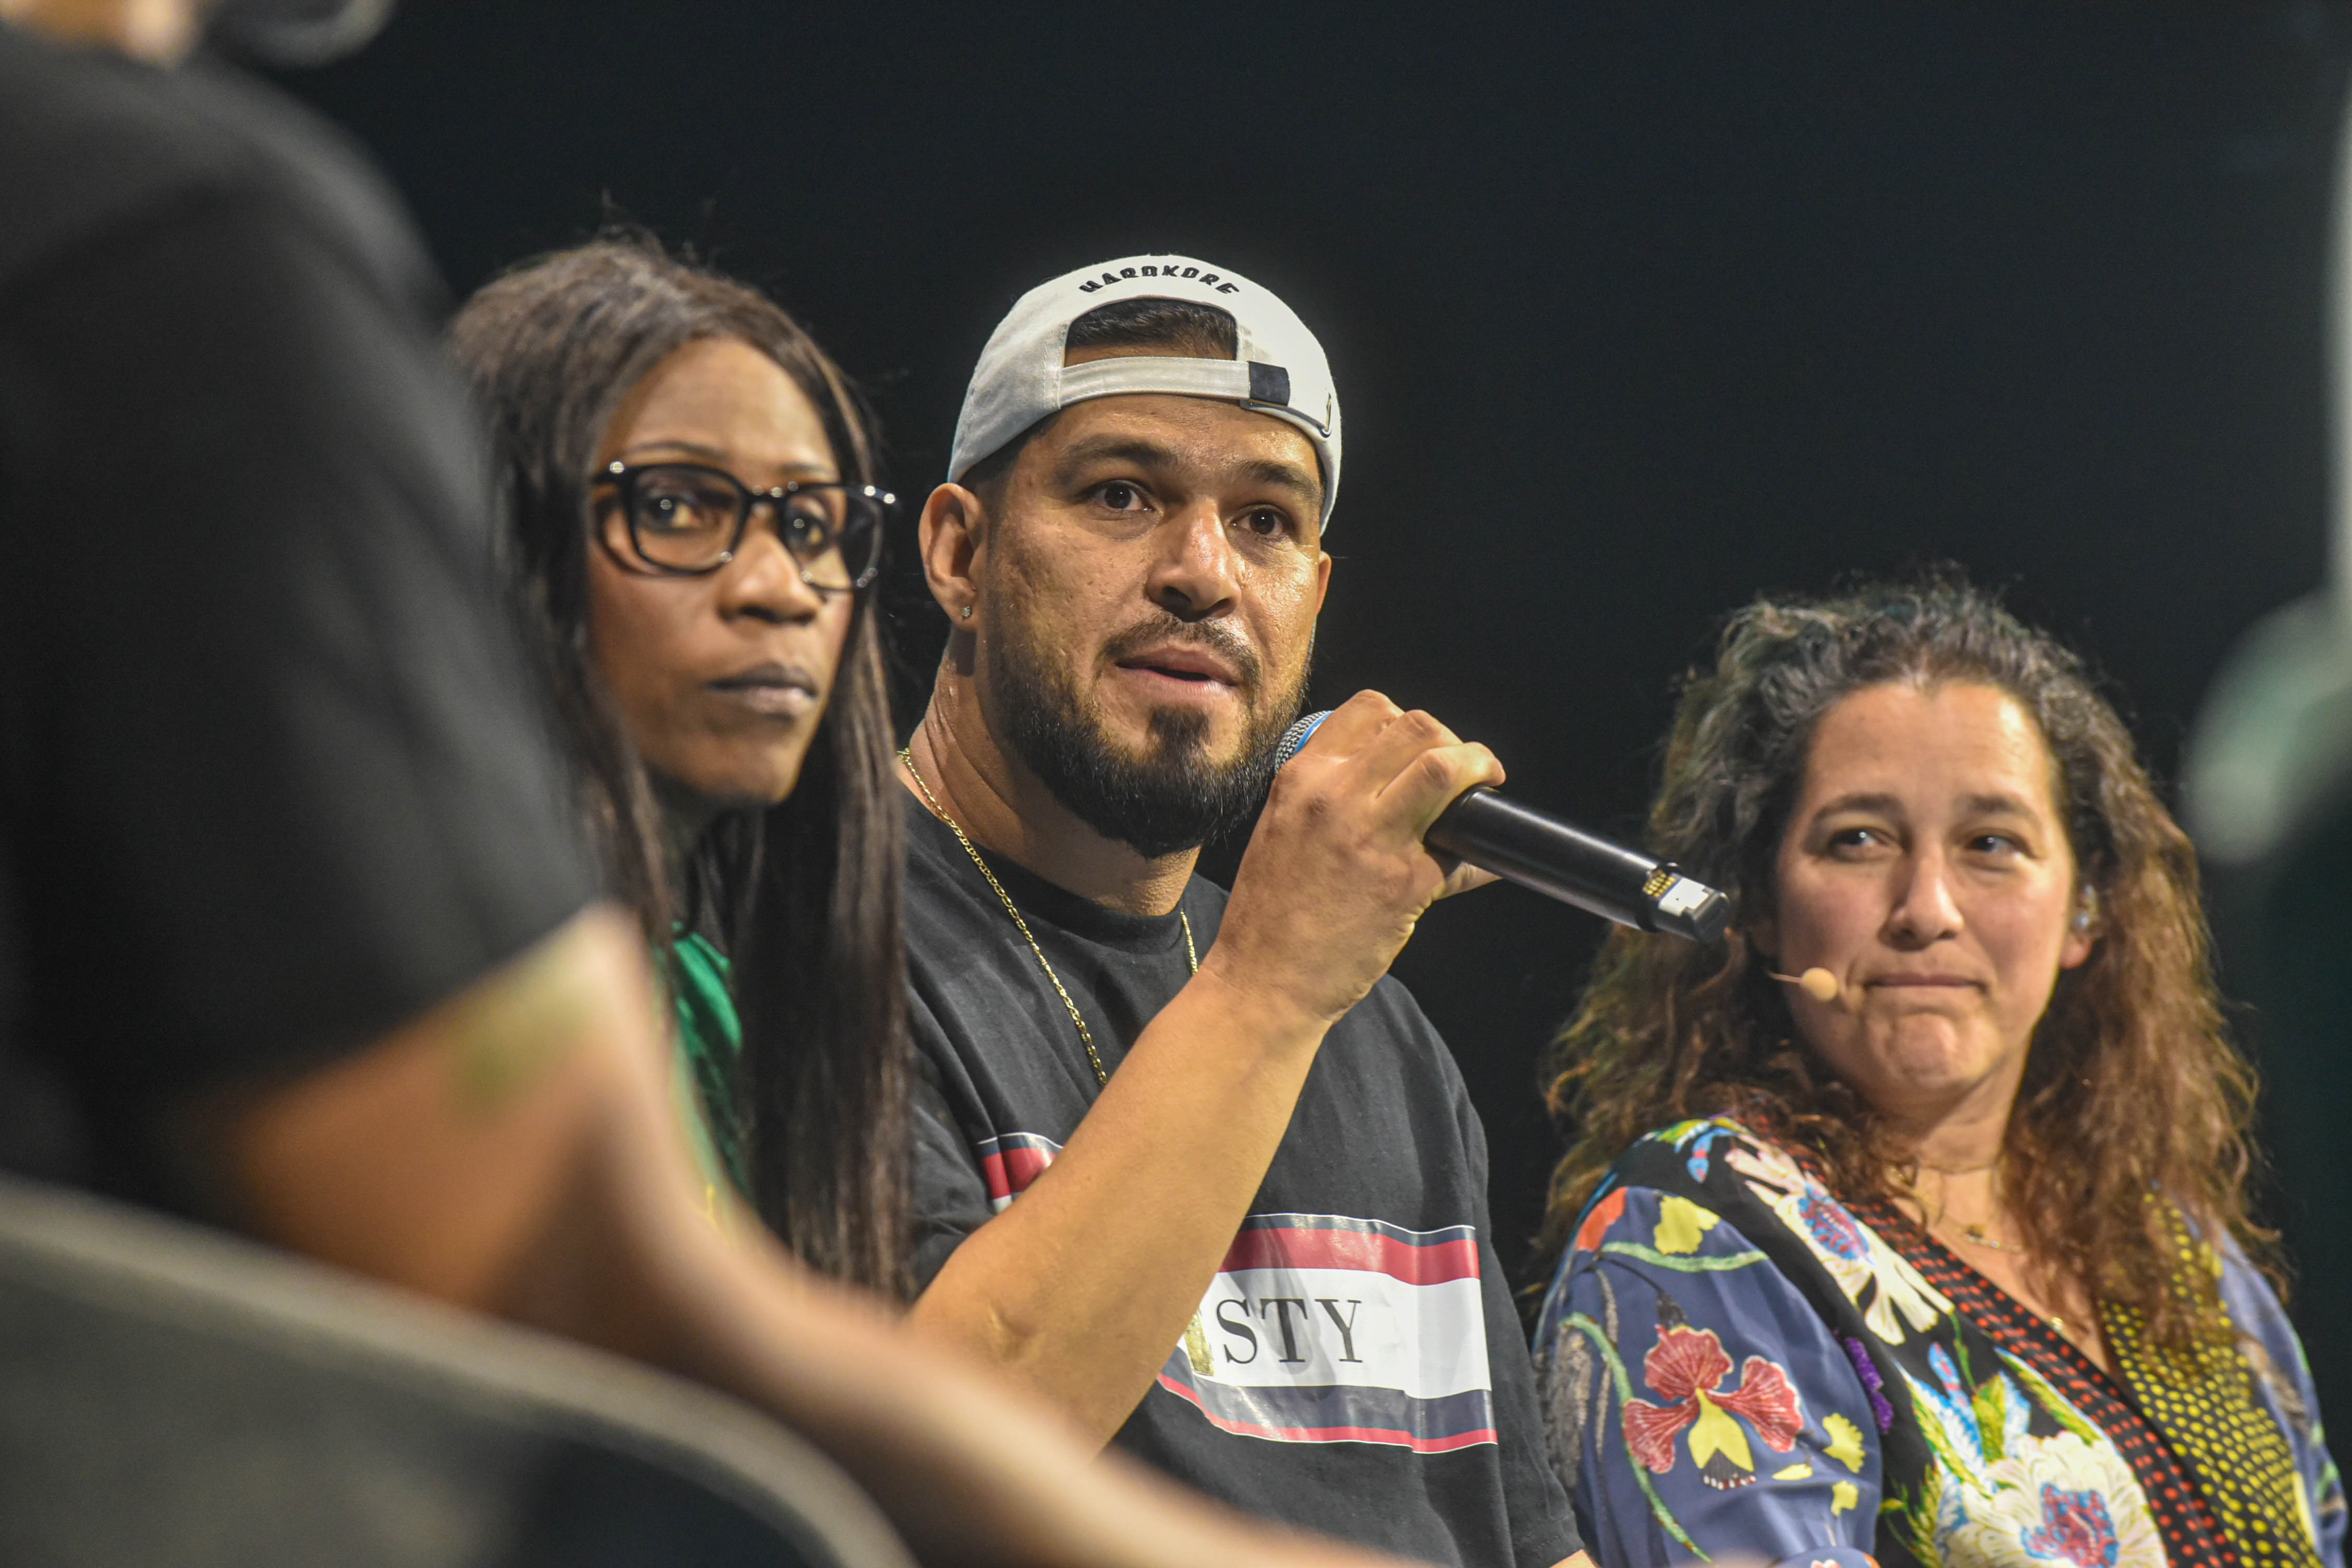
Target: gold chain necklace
{"points": [[1974, 1235], [1085, 1035]]}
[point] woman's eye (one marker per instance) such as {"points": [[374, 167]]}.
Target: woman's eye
{"points": [[1993, 844], [675, 512], [1850, 840]]}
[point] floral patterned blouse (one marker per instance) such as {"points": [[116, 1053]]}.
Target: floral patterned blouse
{"points": [[1734, 1361]]}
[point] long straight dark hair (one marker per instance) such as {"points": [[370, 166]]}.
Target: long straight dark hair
{"points": [[803, 896]]}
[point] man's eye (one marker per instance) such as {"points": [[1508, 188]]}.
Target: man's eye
{"points": [[1266, 522], [1119, 496]]}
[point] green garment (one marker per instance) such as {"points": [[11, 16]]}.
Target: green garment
{"points": [[710, 1047]]}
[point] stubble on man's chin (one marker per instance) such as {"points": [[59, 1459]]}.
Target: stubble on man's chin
{"points": [[1167, 798]]}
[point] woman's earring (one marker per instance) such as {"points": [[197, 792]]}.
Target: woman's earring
{"points": [[967, 611]]}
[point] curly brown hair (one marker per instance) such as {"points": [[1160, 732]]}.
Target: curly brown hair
{"points": [[2131, 1086]]}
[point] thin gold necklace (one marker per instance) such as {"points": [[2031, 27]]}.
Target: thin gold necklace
{"points": [[1974, 1235], [1085, 1035]]}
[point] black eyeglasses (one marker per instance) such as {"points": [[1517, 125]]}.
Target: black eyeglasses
{"points": [[688, 520]]}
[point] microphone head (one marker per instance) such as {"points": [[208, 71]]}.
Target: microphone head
{"points": [[1816, 982], [1296, 737]]}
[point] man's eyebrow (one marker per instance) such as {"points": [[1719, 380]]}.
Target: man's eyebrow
{"points": [[1093, 450], [1284, 477], [1149, 455]]}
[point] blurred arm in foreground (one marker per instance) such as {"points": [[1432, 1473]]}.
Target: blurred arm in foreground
{"points": [[294, 932]]}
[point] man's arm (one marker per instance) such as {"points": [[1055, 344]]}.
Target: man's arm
{"points": [[1080, 1289], [514, 1151]]}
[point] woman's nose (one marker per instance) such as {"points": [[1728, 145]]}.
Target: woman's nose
{"points": [[764, 579], [1925, 909]]}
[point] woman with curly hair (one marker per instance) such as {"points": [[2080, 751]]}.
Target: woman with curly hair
{"points": [[1938, 1252]]}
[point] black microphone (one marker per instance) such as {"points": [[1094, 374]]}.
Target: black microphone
{"points": [[1562, 862]]}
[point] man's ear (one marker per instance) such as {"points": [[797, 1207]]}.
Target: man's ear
{"points": [[953, 527], [1322, 578]]}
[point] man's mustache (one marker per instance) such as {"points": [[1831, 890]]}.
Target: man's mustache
{"points": [[1159, 630]]}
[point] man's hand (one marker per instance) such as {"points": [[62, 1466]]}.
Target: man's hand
{"points": [[1336, 876]]}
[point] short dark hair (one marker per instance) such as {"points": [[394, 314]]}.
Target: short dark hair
{"points": [[1173, 326]]}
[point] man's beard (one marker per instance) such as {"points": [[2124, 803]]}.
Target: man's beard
{"points": [[1170, 798]]}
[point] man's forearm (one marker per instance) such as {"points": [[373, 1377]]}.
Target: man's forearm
{"points": [[517, 1150], [1080, 1290], [968, 1473]]}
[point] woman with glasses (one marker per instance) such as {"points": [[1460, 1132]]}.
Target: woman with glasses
{"points": [[688, 482]]}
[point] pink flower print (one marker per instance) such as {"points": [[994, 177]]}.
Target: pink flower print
{"points": [[2075, 1529], [1688, 1366]]}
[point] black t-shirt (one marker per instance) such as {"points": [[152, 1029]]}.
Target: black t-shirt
{"points": [[1357, 1366], [271, 777]]}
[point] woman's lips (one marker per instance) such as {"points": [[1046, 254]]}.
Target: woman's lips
{"points": [[776, 691], [1921, 981]]}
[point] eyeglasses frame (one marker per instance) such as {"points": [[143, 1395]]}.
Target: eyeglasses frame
{"points": [[622, 476]]}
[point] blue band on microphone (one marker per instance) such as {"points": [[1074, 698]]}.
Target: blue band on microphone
{"points": [[1296, 736]]}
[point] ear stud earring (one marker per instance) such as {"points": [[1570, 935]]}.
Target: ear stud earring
{"points": [[967, 611]]}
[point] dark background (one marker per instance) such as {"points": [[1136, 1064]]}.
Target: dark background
{"points": [[1637, 310]]}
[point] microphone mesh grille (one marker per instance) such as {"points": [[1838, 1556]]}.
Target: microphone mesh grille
{"points": [[1296, 737]]}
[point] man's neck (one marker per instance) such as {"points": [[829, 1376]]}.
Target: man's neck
{"points": [[1006, 810]]}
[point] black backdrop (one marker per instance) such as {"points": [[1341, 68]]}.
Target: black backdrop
{"points": [[1637, 309]]}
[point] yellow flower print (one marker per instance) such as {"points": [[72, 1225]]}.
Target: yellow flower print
{"points": [[1799, 1473], [1845, 1441], [1715, 1432], [1844, 1497], [1681, 1225]]}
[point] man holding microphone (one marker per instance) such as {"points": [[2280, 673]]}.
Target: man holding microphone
{"points": [[1251, 1241]]}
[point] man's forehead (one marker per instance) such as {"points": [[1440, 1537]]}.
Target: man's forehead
{"points": [[1195, 433]]}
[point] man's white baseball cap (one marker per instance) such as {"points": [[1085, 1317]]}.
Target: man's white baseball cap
{"points": [[1021, 379]]}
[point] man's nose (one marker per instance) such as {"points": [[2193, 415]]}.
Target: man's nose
{"points": [[1195, 570]]}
